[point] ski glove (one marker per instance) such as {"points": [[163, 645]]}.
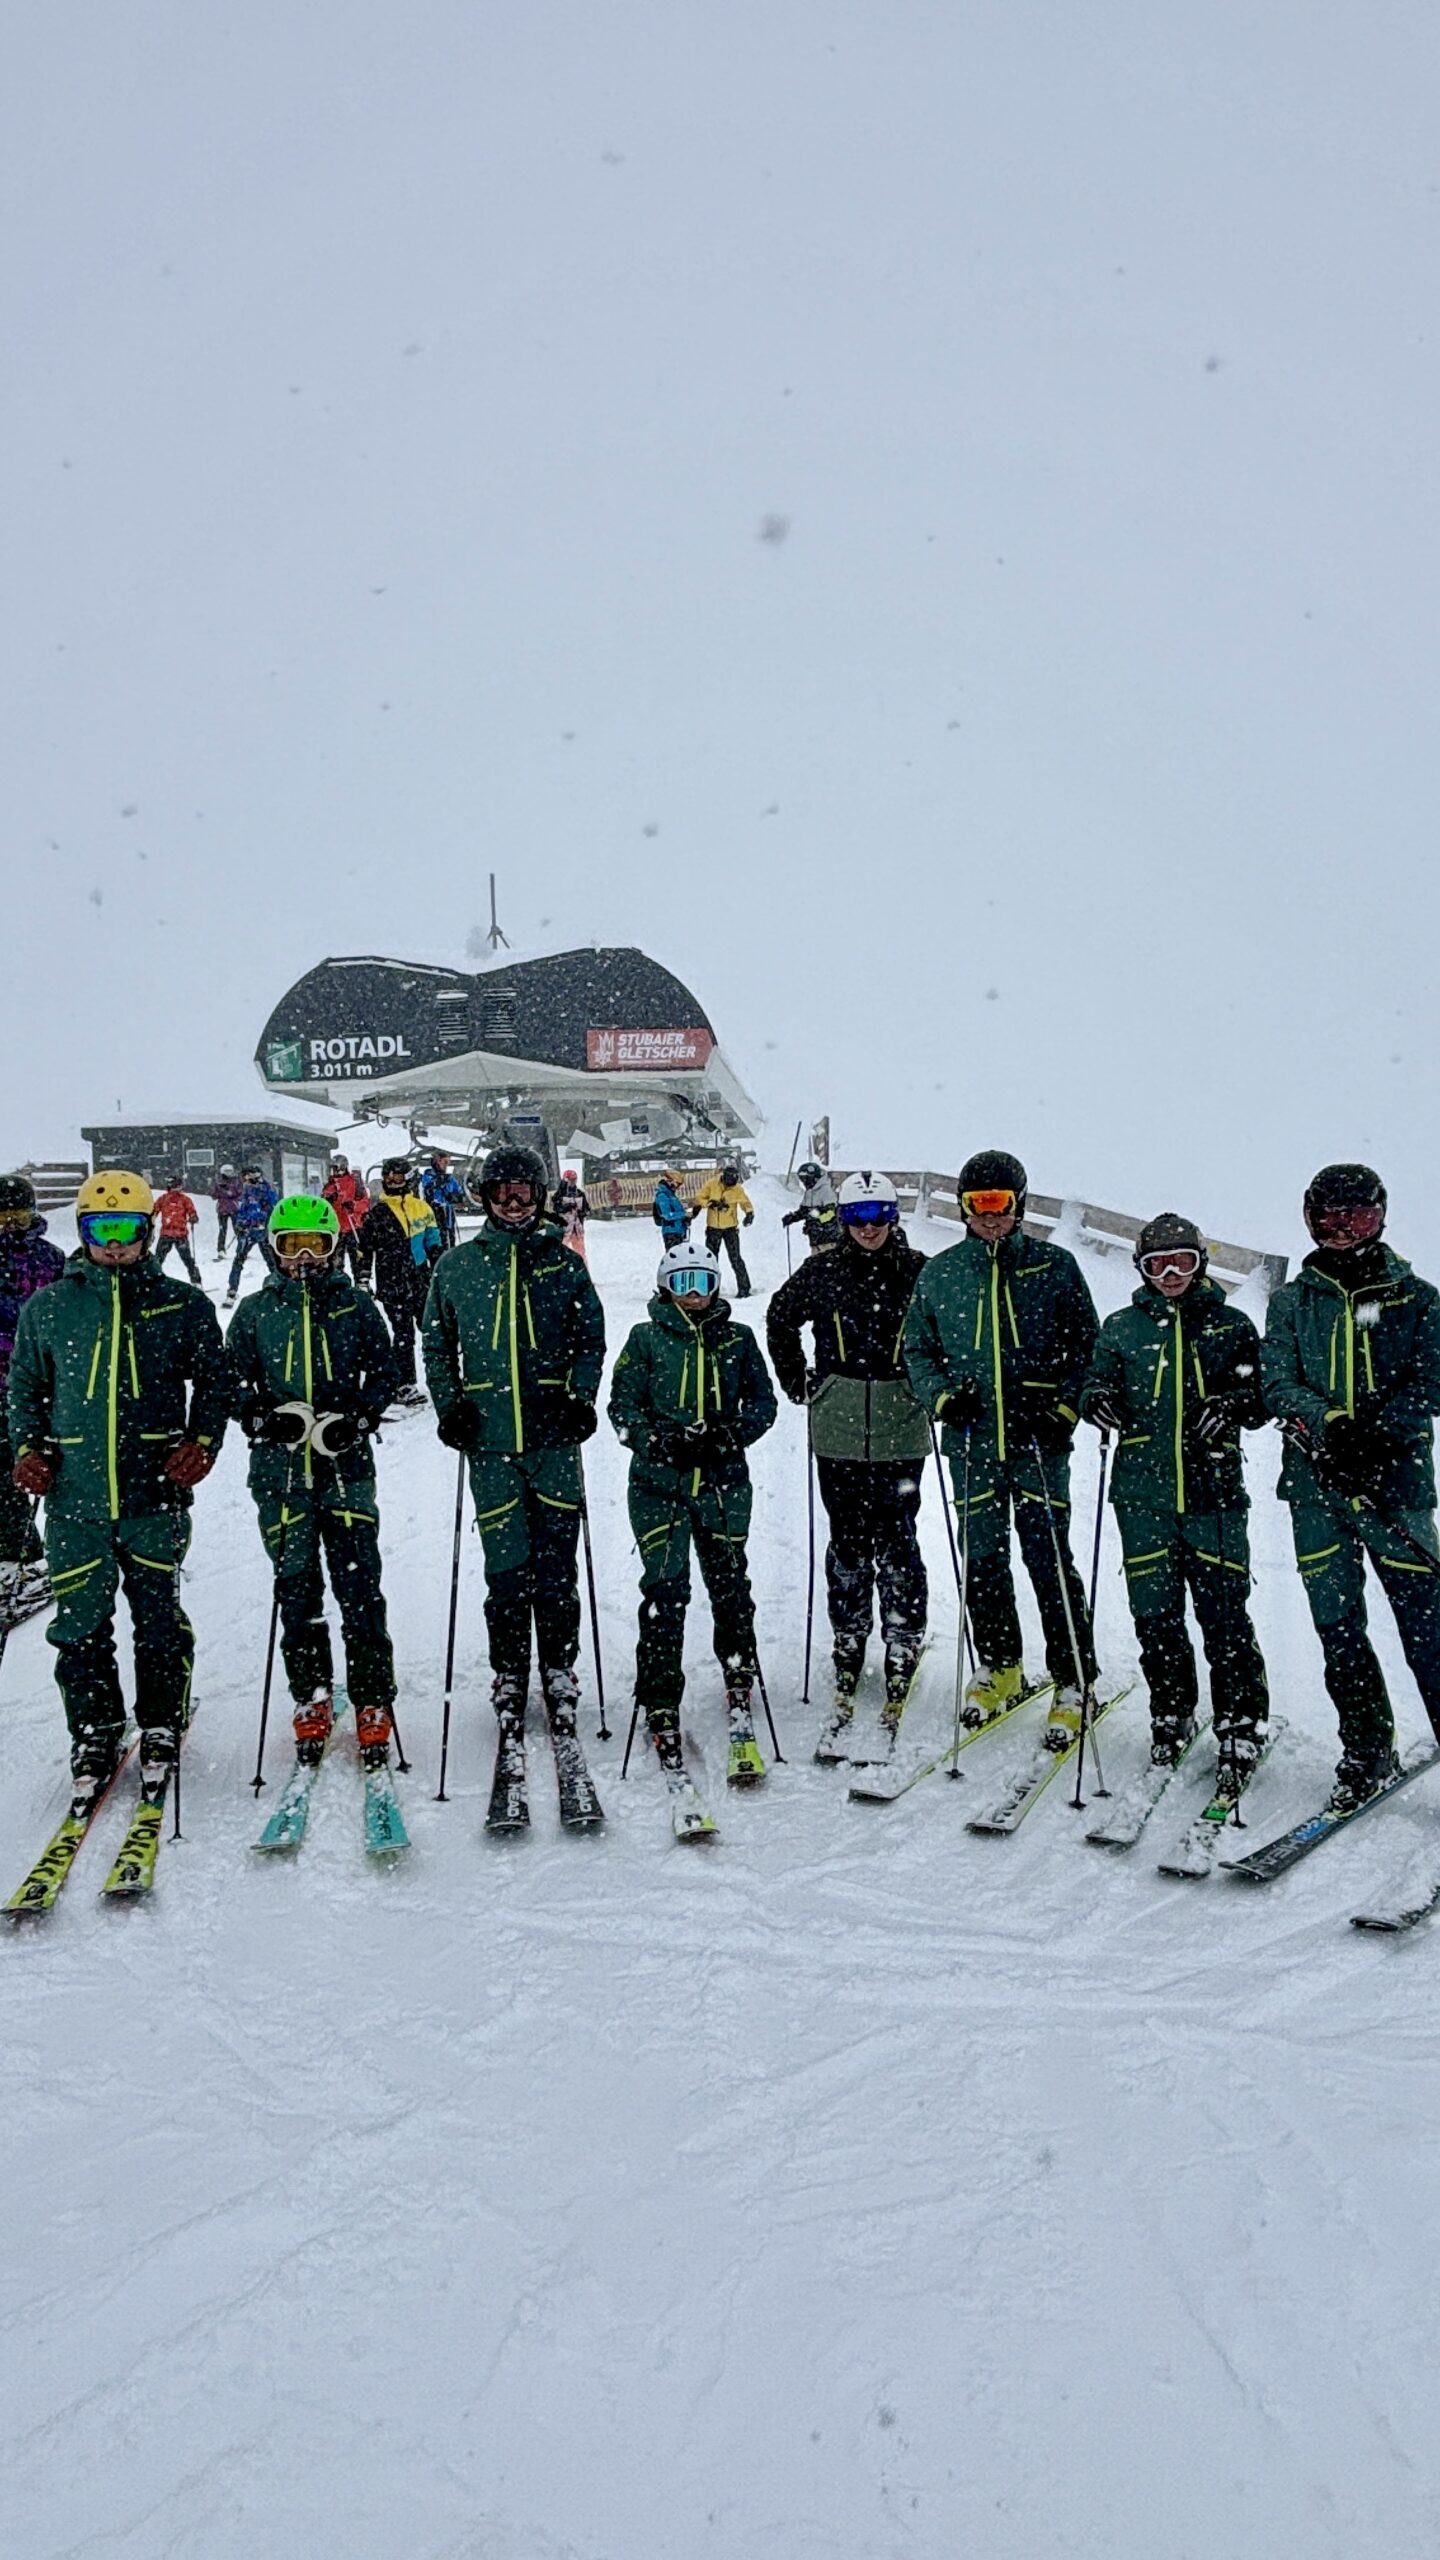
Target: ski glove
{"points": [[1355, 1453], [578, 1420], [336, 1434], [459, 1428], [35, 1473], [278, 1426], [188, 1463], [1217, 1418], [960, 1406], [749, 1217], [1102, 1409]]}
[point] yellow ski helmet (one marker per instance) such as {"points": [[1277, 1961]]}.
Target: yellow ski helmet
{"points": [[112, 1194]]}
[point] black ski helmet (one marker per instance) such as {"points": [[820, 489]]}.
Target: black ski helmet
{"points": [[394, 1165], [993, 1170], [1170, 1233], [730, 1173], [509, 1163], [1344, 1186], [811, 1172], [17, 1192]]}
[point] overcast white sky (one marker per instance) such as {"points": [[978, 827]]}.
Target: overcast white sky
{"points": [[394, 396]]}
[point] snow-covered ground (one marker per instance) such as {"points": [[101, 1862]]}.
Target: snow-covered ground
{"points": [[858, 2187]]}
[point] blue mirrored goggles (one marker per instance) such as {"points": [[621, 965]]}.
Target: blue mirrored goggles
{"points": [[692, 1284], [869, 1213]]}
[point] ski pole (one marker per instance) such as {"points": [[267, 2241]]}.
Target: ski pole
{"points": [[765, 1702], [949, 1523], [1085, 1687], [1094, 1589], [794, 1151], [962, 1586], [258, 1781], [603, 1731], [177, 1834], [441, 1797], [810, 1534]]}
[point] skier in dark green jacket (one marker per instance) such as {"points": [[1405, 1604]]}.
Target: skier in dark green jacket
{"points": [[514, 1345], [312, 1371], [997, 1346], [689, 1395], [1351, 1367], [1176, 1376], [118, 1400]]}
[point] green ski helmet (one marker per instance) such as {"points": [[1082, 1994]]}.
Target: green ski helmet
{"points": [[304, 1216]]}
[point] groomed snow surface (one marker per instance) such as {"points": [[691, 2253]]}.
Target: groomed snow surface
{"points": [[852, 2187]]}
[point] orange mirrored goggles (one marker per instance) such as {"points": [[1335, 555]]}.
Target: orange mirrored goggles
{"points": [[987, 1204]]}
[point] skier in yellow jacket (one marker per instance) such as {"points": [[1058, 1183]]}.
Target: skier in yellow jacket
{"points": [[725, 1201]]}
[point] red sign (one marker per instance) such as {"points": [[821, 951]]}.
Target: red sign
{"points": [[657, 1051]]}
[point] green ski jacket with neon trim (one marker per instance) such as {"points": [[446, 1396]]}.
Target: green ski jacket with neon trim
{"points": [[1158, 1360], [115, 1367], [1372, 1351], [320, 1341], [514, 1326], [674, 1369], [1012, 1316]]}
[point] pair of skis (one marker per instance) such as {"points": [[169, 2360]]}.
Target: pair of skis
{"points": [[838, 1745], [509, 1812], [886, 1785], [384, 1824], [1037, 1773], [131, 1877]]}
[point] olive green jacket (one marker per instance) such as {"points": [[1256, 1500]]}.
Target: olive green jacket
{"points": [[1157, 1361], [114, 1368], [676, 1369], [1372, 1351], [1016, 1315]]}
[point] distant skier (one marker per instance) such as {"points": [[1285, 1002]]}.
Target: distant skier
{"points": [[724, 1200], [250, 1219], [445, 1194], [118, 1395], [345, 1190], [997, 1345], [870, 1437], [572, 1209], [669, 1211], [514, 1345], [176, 1216], [1176, 1377], [312, 1371], [689, 1395], [818, 1211], [1351, 1367], [399, 1247], [228, 1187], [27, 1263]]}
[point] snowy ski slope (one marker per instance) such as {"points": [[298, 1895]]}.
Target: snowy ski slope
{"points": [[857, 2187]]}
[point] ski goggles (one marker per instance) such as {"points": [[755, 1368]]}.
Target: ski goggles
{"points": [[692, 1284], [122, 1226], [987, 1204], [511, 1195], [303, 1244], [1359, 1224], [869, 1213], [1178, 1261], [10, 1219]]}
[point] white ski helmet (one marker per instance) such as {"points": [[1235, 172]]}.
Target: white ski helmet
{"points": [[870, 1199], [688, 1270]]}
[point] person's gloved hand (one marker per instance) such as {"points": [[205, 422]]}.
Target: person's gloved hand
{"points": [[1031, 1413], [749, 1217], [278, 1426], [578, 1420], [1355, 1452], [961, 1406], [188, 1463], [459, 1428], [341, 1430], [1218, 1416], [35, 1472], [713, 1442], [676, 1444], [1102, 1408]]}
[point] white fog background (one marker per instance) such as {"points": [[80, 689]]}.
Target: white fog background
{"points": [[401, 407]]}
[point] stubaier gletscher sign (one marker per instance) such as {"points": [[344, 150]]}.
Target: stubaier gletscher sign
{"points": [[655, 1050]]}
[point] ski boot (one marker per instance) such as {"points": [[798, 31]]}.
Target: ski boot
{"points": [[411, 1398], [902, 1660], [1237, 1756], [1170, 1735], [373, 1729], [991, 1692], [1067, 1709], [1360, 1775], [562, 1699], [312, 1723], [849, 1659], [688, 1817], [159, 1751], [745, 1767], [93, 1763]]}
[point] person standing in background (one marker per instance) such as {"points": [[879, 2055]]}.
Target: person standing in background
{"points": [[226, 1195], [399, 1244], [176, 1214], [250, 1219], [445, 1195], [27, 1263], [725, 1201], [350, 1201]]}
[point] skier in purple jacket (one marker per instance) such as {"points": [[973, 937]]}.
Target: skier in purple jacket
{"points": [[27, 1263]]}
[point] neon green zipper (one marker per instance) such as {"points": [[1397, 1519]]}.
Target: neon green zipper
{"points": [[1179, 1413], [112, 1416], [995, 1357], [515, 1349], [307, 1371]]}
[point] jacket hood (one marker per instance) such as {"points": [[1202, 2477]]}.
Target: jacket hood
{"points": [[1201, 1292], [662, 1310], [1378, 1273]]}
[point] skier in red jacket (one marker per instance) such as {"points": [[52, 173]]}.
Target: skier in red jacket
{"points": [[349, 1199]]}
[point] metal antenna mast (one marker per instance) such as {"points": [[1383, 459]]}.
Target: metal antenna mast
{"points": [[495, 937]]}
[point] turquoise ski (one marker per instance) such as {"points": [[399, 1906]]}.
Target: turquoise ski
{"points": [[286, 1826], [385, 1832]]}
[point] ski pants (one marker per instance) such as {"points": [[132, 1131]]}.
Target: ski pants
{"points": [[729, 1237], [181, 1245], [670, 1512], [19, 1537], [89, 1560], [1206, 1554], [527, 1510], [222, 1221], [1331, 1539], [994, 1618], [308, 1530], [872, 1509], [251, 1236], [348, 1250], [402, 1316]]}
